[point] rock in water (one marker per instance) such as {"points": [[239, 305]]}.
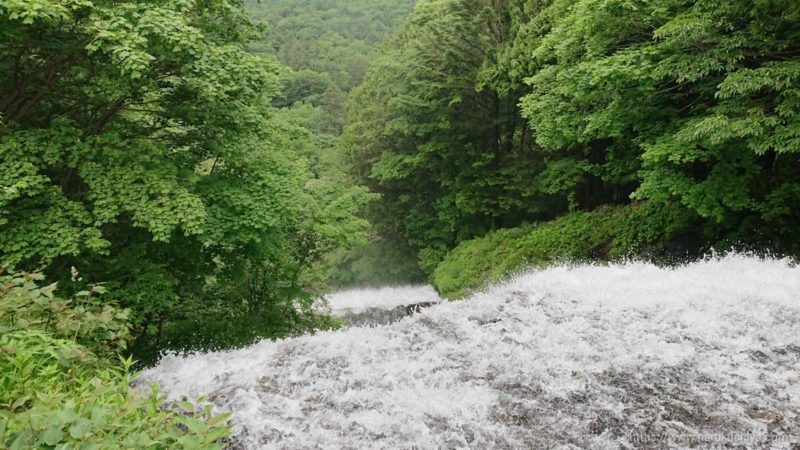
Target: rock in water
{"points": [[624, 356]]}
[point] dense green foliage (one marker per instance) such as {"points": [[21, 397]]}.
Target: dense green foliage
{"points": [[140, 144], [59, 389], [452, 159], [701, 95], [202, 167], [327, 46], [606, 234], [331, 38], [482, 115], [144, 144]]}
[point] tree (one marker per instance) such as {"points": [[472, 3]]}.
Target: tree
{"points": [[139, 145], [436, 130], [701, 93], [491, 114]]}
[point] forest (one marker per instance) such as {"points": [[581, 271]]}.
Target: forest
{"points": [[503, 134], [194, 175]]}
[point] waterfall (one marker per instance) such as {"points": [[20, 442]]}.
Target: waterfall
{"points": [[589, 356]]}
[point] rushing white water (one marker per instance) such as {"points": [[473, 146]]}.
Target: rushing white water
{"points": [[359, 300], [568, 357], [364, 307]]}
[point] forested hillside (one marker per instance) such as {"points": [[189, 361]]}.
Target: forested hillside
{"points": [[659, 127], [194, 175], [326, 47], [155, 194], [333, 37]]}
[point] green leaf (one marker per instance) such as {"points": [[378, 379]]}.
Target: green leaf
{"points": [[186, 406], [47, 291], [19, 402], [194, 425], [99, 289], [53, 435], [217, 434], [24, 440], [80, 429], [219, 419], [190, 441]]}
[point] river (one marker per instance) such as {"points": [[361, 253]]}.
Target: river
{"points": [[590, 356]]}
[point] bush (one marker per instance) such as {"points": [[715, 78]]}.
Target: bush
{"points": [[260, 304], [604, 234], [99, 326], [60, 389]]}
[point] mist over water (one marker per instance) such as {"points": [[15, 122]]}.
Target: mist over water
{"points": [[621, 356]]}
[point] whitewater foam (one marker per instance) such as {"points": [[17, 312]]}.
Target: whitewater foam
{"points": [[359, 300], [621, 356]]}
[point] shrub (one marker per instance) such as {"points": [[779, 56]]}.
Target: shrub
{"points": [[604, 234], [99, 326], [59, 388], [261, 304]]}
